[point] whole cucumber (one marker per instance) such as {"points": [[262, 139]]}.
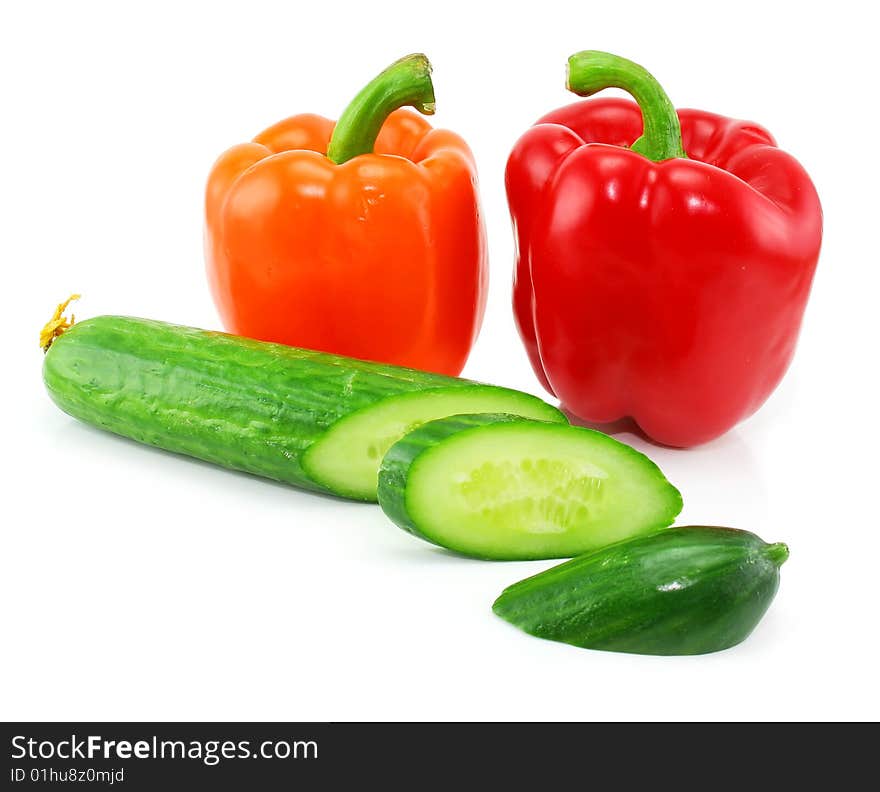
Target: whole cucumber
{"points": [[318, 421], [681, 591]]}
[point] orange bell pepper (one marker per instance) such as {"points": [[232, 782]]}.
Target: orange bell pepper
{"points": [[362, 238]]}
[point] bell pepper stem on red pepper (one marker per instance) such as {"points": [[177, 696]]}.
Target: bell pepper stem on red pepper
{"points": [[405, 83], [591, 71]]}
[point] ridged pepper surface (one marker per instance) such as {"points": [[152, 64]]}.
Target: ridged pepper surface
{"points": [[664, 258]]}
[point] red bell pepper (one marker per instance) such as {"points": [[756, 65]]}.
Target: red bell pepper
{"points": [[664, 258]]}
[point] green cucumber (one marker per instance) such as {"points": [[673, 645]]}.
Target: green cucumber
{"points": [[682, 591], [310, 419], [502, 487]]}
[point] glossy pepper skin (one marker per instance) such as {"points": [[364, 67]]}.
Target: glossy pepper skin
{"points": [[362, 238], [649, 285]]}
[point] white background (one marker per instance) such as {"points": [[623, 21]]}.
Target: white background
{"points": [[140, 585]]}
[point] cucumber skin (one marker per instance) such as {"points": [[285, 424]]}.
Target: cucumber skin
{"points": [[681, 591], [399, 459], [240, 403]]}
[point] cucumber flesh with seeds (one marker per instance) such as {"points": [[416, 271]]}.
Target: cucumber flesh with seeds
{"points": [[682, 591], [502, 487], [346, 459], [307, 418]]}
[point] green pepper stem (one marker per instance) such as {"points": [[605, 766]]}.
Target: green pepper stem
{"points": [[405, 83], [590, 72]]}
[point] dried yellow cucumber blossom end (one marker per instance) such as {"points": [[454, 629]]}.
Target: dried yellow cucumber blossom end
{"points": [[57, 324]]}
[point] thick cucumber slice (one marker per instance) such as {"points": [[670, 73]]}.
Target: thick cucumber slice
{"points": [[346, 458], [682, 591], [501, 487]]}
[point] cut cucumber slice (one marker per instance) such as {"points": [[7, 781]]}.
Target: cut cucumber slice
{"points": [[688, 590], [346, 458], [501, 487]]}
